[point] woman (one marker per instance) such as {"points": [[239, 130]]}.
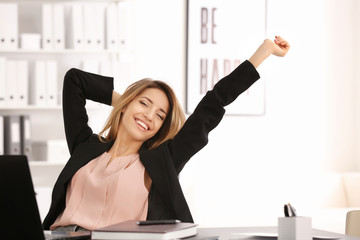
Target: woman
{"points": [[132, 172]]}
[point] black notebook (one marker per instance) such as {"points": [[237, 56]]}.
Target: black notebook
{"points": [[19, 210]]}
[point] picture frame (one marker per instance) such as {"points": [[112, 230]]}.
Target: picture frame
{"points": [[220, 35]]}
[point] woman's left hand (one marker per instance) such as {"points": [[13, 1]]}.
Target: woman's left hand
{"points": [[281, 48]]}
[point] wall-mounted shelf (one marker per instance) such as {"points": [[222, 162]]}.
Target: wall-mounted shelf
{"points": [[46, 121]]}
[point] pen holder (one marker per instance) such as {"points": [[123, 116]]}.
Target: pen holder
{"points": [[294, 228]]}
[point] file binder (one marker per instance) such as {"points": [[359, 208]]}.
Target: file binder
{"points": [[89, 33], [99, 26], [9, 26], [124, 25], [51, 82], [12, 135], [38, 86], [58, 20], [22, 83], [112, 40], [25, 134], [11, 83], [16, 82], [76, 29], [30, 41], [3, 27], [47, 27], [2, 135], [2, 80]]}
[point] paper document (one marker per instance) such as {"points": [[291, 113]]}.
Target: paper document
{"points": [[268, 236]]}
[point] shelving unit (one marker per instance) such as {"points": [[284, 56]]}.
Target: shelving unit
{"points": [[47, 121], [29, 108], [54, 51]]}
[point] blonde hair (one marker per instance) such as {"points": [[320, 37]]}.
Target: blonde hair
{"points": [[172, 124]]}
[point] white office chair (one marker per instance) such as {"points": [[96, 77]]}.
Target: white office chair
{"points": [[352, 227]]}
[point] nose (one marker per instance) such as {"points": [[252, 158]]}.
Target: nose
{"points": [[149, 115]]}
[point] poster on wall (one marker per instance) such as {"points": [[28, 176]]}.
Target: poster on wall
{"points": [[220, 35]]}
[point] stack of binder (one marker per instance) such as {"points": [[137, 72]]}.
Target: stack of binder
{"points": [[8, 26], [15, 134], [98, 26], [90, 25], [44, 87], [53, 26], [14, 79]]}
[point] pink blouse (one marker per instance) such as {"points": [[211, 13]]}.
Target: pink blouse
{"points": [[103, 193]]}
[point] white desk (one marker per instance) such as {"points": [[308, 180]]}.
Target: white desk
{"points": [[224, 233]]}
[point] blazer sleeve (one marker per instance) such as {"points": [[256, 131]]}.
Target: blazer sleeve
{"points": [[194, 134], [79, 86]]}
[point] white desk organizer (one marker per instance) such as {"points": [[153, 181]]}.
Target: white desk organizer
{"points": [[294, 228]]}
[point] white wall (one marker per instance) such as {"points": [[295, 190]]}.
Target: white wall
{"points": [[357, 78], [253, 165]]}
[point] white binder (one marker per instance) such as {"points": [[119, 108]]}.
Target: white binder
{"points": [[2, 80], [47, 26], [11, 83], [51, 82], [112, 40], [58, 20], [12, 135], [76, 27], [22, 84], [9, 26], [99, 26], [3, 27], [25, 136], [89, 32], [125, 25], [38, 86]]}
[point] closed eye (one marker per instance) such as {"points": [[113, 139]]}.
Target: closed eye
{"points": [[143, 103], [161, 117]]}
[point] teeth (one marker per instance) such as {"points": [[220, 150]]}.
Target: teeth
{"points": [[142, 124]]}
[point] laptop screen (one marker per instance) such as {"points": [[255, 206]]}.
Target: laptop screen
{"points": [[19, 210], [20, 218]]}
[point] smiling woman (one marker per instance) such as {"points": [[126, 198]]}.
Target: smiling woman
{"points": [[130, 170], [152, 95], [140, 120]]}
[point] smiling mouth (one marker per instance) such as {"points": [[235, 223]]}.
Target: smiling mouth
{"points": [[142, 124]]}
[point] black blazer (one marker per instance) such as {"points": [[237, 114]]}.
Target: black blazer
{"points": [[163, 164]]}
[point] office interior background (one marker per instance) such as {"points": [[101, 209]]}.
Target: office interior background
{"points": [[304, 149]]}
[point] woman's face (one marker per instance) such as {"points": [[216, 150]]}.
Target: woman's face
{"points": [[144, 115]]}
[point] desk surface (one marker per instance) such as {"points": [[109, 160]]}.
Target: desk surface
{"points": [[224, 233]]}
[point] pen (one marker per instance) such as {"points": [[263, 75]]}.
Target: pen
{"points": [[289, 210], [286, 211], [154, 222], [293, 210]]}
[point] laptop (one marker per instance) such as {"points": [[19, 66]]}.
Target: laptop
{"points": [[20, 218]]}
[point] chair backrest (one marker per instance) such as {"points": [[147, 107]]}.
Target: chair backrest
{"points": [[352, 227]]}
